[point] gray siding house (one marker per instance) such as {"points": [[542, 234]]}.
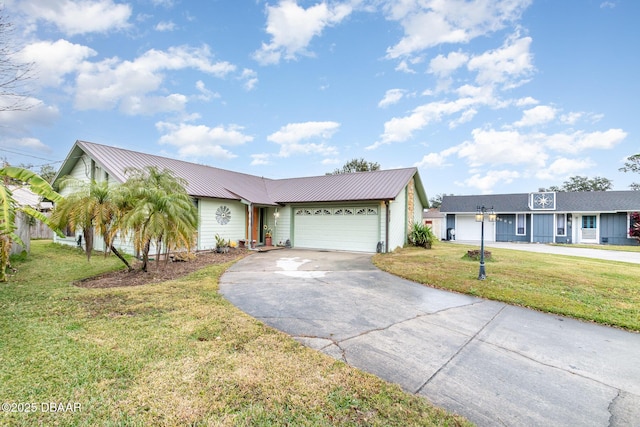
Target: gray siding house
{"points": [[597, 217], [364, 211]]}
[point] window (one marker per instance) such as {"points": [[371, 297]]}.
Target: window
{"points": [[521, 224], [589, 221], [561, 227]]}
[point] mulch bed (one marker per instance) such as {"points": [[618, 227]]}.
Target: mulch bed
{"points": [[160, 272]]}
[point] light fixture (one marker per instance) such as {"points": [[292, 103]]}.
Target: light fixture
{"points": [[490, 214]]}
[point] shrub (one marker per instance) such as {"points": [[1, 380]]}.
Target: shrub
{"points": [[421, 235], [634, 229]]}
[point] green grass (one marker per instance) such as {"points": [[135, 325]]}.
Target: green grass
{"points": [[606, 292], [621, 248], [169, 354]]}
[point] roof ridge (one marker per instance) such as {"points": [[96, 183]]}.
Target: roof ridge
{"points": [[168, 158]]}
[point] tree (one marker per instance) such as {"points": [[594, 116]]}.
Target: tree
{"points": [[13, 74], [632, 164], [583, 183], [9, 207], [92, 206], [158, 210], [436, 201], [356, 165]]}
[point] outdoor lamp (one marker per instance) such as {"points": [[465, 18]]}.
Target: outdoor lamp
{"points": [[481, 213]]}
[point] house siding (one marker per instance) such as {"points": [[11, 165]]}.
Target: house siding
{"points": [[506, 229], [543, 228], [613, 229], [208, 227], [281, 229], [398, 221]]}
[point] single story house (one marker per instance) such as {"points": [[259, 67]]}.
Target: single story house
{"points": [[434, 219], [601, 217], [363, 211]]}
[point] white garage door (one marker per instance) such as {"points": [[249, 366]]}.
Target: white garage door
{"points": [[346, 228], [467, 228]]}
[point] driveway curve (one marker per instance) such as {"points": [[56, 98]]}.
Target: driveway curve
{"points": [[493, 363]]}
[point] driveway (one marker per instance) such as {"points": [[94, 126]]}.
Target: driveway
{"points": [[493, 363]]}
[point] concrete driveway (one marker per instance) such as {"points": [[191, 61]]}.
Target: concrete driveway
{"points": [[493, 363]]}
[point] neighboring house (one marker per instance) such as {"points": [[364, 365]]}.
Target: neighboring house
{"points": [[545, 217], [435, 219], [26, 226], [363, 211]]}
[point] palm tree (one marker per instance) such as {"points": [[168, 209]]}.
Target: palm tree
{"points": [[9, 207], [92, 206], [158, 210]]}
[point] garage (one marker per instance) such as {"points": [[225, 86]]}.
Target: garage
{"points": [[467, 228], [344, 227]]}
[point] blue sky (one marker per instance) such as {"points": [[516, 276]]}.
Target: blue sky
{"points": [[488, 96]]}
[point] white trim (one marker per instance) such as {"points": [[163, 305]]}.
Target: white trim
{"points": [[555, 225], [524, 228]]}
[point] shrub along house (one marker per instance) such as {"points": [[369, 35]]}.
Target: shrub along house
{"points": [[601, 217], [363, 211]]}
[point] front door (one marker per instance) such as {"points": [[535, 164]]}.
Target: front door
{"points": [[589, 229]]}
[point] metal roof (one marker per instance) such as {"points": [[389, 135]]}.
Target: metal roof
{"points": [[208, 181], [375, 185], [582, 201]]}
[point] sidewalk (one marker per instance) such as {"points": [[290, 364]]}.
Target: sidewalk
{"points": [[621, 256]]}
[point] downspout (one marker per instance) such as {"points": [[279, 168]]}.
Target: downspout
{"points": [[386, 230]]}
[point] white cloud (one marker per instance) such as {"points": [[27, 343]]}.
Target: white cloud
{"points": [[201, 140], [571, 118], [165, 26], [579, 141], [427, 24], [250, 78], [112, 82], [508, 65], [290, 138], [563, 168], [205, 94], [391, 97], [491, 147], [35, 113], [443, 66], [79, 17], [149, 105], [526, 101], [486, 183], [400, 129], [260, 159], [404, 67], [536, 116], [33, 144], [53, 60], [437, 160], [292, 28]]}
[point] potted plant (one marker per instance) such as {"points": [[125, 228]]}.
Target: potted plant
{"points": [[268, 239]]}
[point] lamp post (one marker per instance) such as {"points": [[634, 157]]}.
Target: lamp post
{"points": [[481, 214]]}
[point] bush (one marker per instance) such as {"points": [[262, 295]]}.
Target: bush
{"points": [[421, 235], [634, 230]]}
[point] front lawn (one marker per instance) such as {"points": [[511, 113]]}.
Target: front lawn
{"points": [[601, 291], [168, 354]]}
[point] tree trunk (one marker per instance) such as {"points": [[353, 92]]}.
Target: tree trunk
{"points": [[5, 248], [119, 255], [145, 255], [88, 241]]}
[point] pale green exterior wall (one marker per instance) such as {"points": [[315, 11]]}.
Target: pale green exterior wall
{"points": [[208, 227]]}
